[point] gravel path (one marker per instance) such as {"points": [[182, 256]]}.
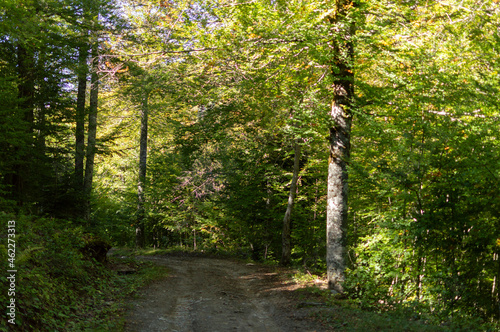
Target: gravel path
{"points": [[216, 295]]}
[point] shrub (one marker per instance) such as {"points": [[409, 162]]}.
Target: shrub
{"points": [[58, 273]]}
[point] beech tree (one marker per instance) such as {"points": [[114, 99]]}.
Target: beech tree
{"points": [[80, 111], [268, 41], [229, 125], [143, 150], [342, 19], [92, 128], [286, 236]]}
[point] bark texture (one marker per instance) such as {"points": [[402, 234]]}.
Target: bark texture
{"points": [[92, 130], [143, 156], [19, 179], [286, 250], [341, 115], [80, 117]]}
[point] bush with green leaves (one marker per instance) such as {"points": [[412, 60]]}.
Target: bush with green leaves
{"points": [[56, 281]]}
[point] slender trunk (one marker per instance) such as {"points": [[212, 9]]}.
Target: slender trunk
{"points": [[26, 90], [341, 115], [41, 121], [25, 67], [92, 130], [143, 156], [496, 292], [41, 128], [80, 117], [40, 149], [287, 234], [496, 279]]}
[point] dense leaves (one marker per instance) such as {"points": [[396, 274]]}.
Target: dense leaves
{"points": [[230, 87]]}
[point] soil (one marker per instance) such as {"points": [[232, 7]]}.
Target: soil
{"points": [[216, 295]]}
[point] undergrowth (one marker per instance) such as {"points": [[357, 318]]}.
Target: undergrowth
{"points": [[59, 287], [342, 313]]}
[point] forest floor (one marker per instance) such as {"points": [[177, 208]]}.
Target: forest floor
{"points": [[212, 294], [197, 293]]}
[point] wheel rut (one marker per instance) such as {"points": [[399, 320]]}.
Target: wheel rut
{"points": [[202, 294]]}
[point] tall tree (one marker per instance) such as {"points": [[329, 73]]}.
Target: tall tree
{"points": [[141, 183], [92, 128], [82, 73], [26, 96], [95, 13], [340, 141], [286, 250]]}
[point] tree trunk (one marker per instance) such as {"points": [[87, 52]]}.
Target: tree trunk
{"points": [[92, 130], [26, 87], [286, 250], [26, 93], [143, 156], [40, 150], [496, 292], [80, 117], [341, 115]]}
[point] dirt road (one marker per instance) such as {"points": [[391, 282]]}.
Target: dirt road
{"points": [[217, 295]]}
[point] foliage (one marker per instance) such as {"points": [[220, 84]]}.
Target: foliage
{"points": [[425, 154], [423, 221], [232, 85], [55, 275], [59, 286]]}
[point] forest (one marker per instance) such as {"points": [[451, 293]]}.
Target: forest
{"points": [[358, 139]]}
